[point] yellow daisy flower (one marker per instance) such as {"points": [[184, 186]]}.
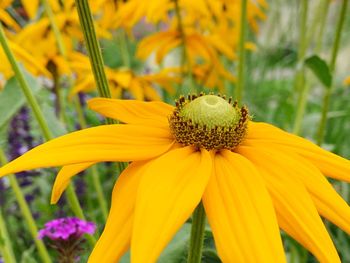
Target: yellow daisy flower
{"points": [[346, 81], [140, 87], [252, 179]]}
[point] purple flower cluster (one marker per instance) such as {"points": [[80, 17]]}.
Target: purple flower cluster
{"points": [[66, 228]]}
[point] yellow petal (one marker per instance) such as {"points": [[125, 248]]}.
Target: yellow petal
{"points": [[115, 239], [330, 164], [327, 201], [133, 111], [296, 213], [240, 212], [31, 7], [63, 178], [8, 20], [169, 191], [103, 143]]}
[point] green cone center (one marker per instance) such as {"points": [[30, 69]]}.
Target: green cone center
{"points": [[210, 111]]}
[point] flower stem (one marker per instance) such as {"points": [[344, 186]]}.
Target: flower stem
{"points": [[299, 81], [328, 92], [5, 245], [322, 26], [95, 55], [74, 204], [124, 50], [28, 217], [62, 51], [55, 29], [241, 51], [197, 235], [93, 47], [186, 66], [36, 109]]}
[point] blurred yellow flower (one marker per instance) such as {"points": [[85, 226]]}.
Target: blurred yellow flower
{"points": [[347, 81], [140, 87]]}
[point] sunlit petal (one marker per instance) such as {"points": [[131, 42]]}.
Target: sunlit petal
{"points": [[330, 164], [296, 213], [240, 212], [327, 201], [170, 190]]}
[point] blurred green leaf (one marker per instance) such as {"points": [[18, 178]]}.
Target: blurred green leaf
{"points": [[12, 97], [320, 68], [56, 126], [176, 251]]}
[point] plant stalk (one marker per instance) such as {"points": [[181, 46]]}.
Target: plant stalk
{"points": [[241, 51], [197, 235], [93, 47], [186, 65], [329, 91], [299, 81], [5, 244], [25, 210]]}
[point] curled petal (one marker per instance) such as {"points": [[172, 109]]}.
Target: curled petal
{"points": [[153, 113]]}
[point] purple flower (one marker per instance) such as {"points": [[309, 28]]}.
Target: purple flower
{"points": [[66, 228]]}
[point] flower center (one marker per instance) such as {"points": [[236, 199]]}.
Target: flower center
{"points": [[209, 122]]}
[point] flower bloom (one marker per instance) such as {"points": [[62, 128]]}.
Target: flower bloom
{"points": [[252, 178], [66, 228]]}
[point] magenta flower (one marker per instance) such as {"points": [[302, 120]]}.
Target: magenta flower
{"points": [[66, 237], [66, 228]]}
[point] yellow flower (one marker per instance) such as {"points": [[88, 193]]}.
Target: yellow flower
{"points": [[30, 63], [252, 178], [140, 87], [346, 81], [5, 17]]}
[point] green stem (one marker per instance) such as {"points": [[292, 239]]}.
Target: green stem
{"points": [[124, 50], [33, 104], [74, 204], [197, 235], [28, 217], [99, 191], [299, 81], [55, 29], [24, 86], [5, 243], [186, 66], [322, 26], [93, 47], [241, 51], [316, 22], [328, 93]]}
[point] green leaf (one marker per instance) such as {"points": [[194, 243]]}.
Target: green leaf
{"points": [[176, 251], [320, 68], [56, 126], [12, 98]]}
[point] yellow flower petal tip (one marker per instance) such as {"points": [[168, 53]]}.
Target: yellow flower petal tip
{"points": [[268, 180]]}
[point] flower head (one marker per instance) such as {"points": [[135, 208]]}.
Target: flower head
{"points": [[266, 180], [66, 228]]}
